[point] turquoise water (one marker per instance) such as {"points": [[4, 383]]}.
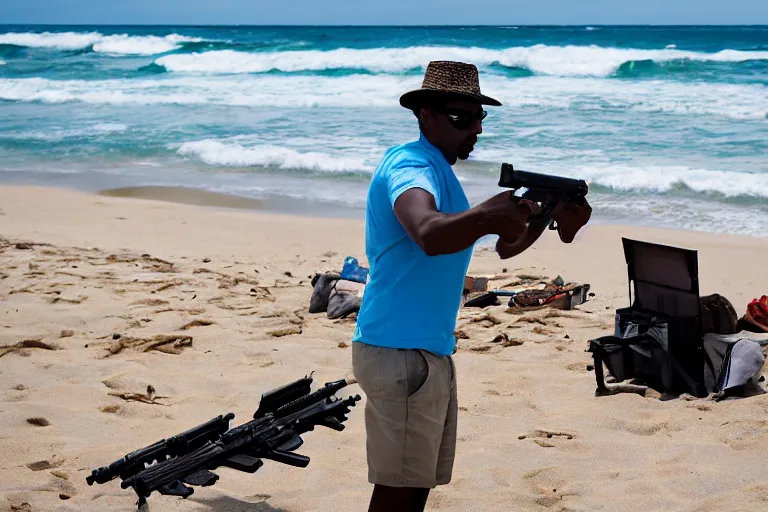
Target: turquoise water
{"points": [[668, 124]]}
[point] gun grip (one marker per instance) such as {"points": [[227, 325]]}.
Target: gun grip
{"points": [[292, 459], [203, 478], [332, 423], [176, 488]]}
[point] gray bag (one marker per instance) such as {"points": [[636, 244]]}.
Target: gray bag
{"points": [[335, 296], [737, 363]]}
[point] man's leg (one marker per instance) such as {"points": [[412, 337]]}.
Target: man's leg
{"points": [[405, 416], [408, 499], [448, 442], [398, 499]]}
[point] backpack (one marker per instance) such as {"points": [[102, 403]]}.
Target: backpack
{"points": [[718, 315]]}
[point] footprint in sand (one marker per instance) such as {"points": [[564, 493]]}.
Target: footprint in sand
{"points": [[550, 487], [46, 464], [641, 428]]}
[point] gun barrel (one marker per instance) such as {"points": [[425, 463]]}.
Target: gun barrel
{"points": [[515, 179]]}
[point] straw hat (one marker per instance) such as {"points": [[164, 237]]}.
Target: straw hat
{"points": [[448, 80]]}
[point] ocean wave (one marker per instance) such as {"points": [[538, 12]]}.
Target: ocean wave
{"points": [[662, 179], [141, 45], [119, 44], [230, 154], [539, 59], [735, 101], [59, 40]]}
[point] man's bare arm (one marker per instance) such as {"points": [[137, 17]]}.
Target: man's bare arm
{"points": [[439, 233]]}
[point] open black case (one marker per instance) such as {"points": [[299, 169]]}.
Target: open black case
{"points": [[658, 339]]}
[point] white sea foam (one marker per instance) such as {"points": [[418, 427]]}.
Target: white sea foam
{"points": [[659, 178], [60, 40], [736, 101], [109, 127], [120, 44], [237, 152], [144, 45], [229, 154], [568, 60], [666, 178], [539, 59]]}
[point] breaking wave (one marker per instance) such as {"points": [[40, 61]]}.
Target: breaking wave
{"points": [[591, 61], [662, 179], [119, 44], [228, 154], [734, 101]]}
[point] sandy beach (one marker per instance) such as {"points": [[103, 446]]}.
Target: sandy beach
{"points": [[103, 296]]}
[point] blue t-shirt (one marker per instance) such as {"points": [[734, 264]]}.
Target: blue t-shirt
{"points": [[411, 300]]}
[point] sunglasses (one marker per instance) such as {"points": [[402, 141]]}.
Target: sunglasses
{"points": [[462, 120]]}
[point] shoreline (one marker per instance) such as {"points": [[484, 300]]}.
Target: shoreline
{"points": [[289, 195], [206, 198], [284, 205]]}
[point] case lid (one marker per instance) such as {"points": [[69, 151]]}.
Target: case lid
{"points": [[666, 279]]}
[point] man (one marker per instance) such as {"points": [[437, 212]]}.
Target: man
{"points": [[420, 231]]}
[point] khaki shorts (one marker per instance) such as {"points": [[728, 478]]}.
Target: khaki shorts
{"points": [[410, 415]]}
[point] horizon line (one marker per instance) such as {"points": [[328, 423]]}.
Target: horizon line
{"points": [[293, 25]]}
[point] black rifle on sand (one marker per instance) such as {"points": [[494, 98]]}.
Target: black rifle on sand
{"points": [[274, 433], [543, 189]]}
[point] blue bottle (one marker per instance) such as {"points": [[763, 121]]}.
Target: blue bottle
{"points": [[352, 271]]}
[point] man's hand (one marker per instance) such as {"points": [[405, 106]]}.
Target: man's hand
{"points": [[507, 215], [571, 217]]}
